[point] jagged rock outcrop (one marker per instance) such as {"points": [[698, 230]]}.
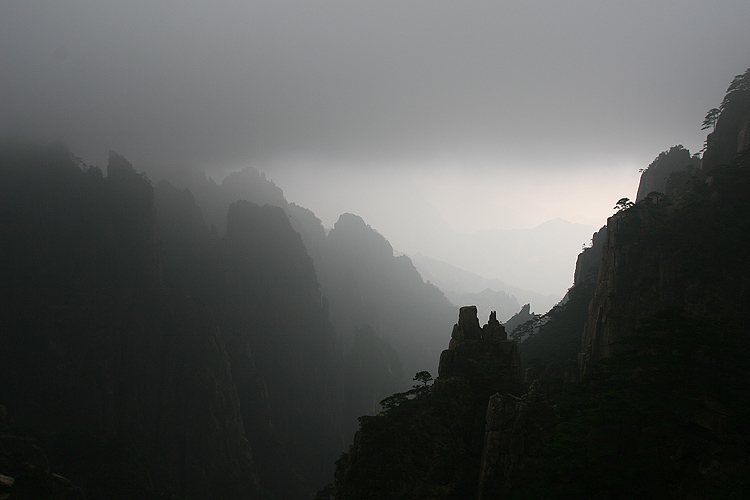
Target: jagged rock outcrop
{"points": [[731, 134], [519, 318], [471, 346], [675, 162], [686, 254], [429, 442], [504, 304]]}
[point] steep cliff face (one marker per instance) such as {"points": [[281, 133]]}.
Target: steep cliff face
{"points": [[434, 442], [95, 351], [686, 254], [655, 178], [731, 134], [282, 349], [261, 285], [367, 285], [516, 431], [587, 263]]}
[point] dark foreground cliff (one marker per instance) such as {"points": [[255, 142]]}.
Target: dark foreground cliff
{"points": [[655, 401], [663, 406], [662, 411], [460, 437], [150, 357], [682, 252], [127, 388]]}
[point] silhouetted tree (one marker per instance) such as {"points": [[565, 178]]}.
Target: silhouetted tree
{"points": [[423, 377], [740, 83], [711, 117], [656, 197], [623, 204]]}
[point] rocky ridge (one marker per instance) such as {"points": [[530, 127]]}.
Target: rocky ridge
{"points": [[683, 253], [463, 437]]}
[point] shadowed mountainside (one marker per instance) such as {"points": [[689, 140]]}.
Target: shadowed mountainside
{"points": [[95, 351], [662, 410], [365, 288]]}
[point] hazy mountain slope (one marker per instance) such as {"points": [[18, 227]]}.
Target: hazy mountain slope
{"points": [[367, 285], [98, 360], [246, 184], [363, 286], [538, 259], [261, 285], [386, 198], [132, 326], [277, 328]]}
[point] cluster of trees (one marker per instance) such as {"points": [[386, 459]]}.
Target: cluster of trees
{"points": [[739, 85]]}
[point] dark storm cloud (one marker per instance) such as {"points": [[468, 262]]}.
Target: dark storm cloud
{"points": [[229, 82]]}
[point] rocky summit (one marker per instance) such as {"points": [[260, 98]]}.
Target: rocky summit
{"points": [[461, 437]]}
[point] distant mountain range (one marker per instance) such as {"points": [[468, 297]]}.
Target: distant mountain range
{"points": [[539, 259], [464, 287]]}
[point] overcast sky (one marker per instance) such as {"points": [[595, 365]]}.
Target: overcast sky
{"points": [[502, 113]]}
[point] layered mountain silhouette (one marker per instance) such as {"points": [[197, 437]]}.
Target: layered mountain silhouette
{"points": [[213, 355], [636, 385], [459, 284], [214, 341]]}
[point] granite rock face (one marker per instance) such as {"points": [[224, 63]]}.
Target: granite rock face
{"points": [[442, 433], [515, 430], [655, 178], [683, 254], [732, 132]]}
